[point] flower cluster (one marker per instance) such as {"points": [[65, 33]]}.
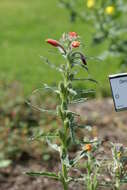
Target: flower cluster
{"points": [[72, 36]]}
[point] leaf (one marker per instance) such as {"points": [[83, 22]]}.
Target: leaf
{"points": [[73, 92], [44, 135], [81, 100], [66, 161], [85, 79], [89, 128], [46, 174], [47, 62], [79, 156], [4, 163], [51, 88], [124, 180], [75, 179], [85, 91], [72, 133], [73, 113], [53, 146], [41, 109]]}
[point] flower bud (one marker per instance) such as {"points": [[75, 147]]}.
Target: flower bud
{"points": [[75, 44], [73, 35], [53, 42], [88, 147]]}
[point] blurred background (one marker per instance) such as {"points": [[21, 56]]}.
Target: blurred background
{"points": [[24, 27]]}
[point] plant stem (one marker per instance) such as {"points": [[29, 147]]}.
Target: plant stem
{"points": [[117, 185], [64, 97], [64, 177]]}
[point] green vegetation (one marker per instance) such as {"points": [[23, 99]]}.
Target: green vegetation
{"points": [[24, 26]]}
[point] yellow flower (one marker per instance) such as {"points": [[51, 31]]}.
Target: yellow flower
{"points": [[110, 10], [90, 3]]}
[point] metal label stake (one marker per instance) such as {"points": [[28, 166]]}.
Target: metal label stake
{"points": [[118, 85]]}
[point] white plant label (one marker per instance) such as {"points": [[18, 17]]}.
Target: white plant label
{"points": [[118, 85]]}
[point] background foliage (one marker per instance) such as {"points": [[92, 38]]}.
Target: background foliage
{"points": [[24, 27]]}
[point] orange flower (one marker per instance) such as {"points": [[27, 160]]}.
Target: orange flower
{"points": [[53, 42], [75, 44], [73, 35], [88, 147]]}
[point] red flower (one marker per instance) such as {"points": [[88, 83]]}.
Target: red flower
{"points": [[73, 35], [75, 44], [53, 42]]}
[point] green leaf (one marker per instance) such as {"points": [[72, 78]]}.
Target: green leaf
{"points": [[72, 113], [51, 89], [53, 146], [46, 174], [73, 92], [79, 156], [43, 135], [85, 79], [41, 109], [77, 101], [89, 128], [52, 66], [124, 180]]}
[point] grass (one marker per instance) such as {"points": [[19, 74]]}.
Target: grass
{"points": [[25, 24]]}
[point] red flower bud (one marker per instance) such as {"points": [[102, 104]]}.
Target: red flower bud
{"points": [[75, 44], [53, 42], [73, 35], [56, 44]]}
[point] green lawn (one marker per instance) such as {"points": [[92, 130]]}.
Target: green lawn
{"points": [[24, 26]]}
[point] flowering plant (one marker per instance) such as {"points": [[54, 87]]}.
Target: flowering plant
{"points": [[68, 47], [96, 163]]}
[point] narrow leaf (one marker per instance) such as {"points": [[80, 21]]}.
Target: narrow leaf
{"points": [[46, 174]]}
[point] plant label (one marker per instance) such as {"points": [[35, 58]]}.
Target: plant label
{"points": [[118, 85]]}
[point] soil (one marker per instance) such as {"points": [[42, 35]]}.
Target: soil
{"points": [[106, 123]]}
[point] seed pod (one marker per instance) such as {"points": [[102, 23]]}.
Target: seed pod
{"points": [[83, 59]]}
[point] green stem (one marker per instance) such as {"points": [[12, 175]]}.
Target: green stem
{"points": [[64, 106], [64, 177], [117, 185]]}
